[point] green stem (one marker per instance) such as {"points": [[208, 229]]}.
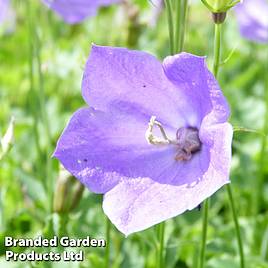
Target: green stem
{"points": [[43, 112], [181, 11], [177, 25], [204, 234], [161, 245], [237, 228], [262, 158], [216, 65], [108, 238], [33, 94], [42, 99], [183, 23], [170, 25], [217, 49], [264, 245]]}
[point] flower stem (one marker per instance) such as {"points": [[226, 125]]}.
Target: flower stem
{"points": [[181, 10], [258, 196], [262, 158], [237, 228], [183, 24], [168, 5], [217, 49], [161, 245], [44, 118], [216, 65], [178, 9], [33, 94], [204, 234], [32, 84], [108, 238]]}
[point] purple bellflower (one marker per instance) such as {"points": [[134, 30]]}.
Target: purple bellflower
{"points": [[155, 141], [4, 7], [252, 16], [74, 11], [7, 15]]}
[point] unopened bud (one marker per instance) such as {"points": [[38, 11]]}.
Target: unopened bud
{"points": [[8, 139], [68, 192], [220, 6]]}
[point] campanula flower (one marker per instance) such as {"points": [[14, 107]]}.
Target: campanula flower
{"points": [[7, 16], [4, 6], [155, 139], [74, 11], [252, 16]]}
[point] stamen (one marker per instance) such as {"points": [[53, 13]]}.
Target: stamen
{"points": [[153, 139], [187, 140]]}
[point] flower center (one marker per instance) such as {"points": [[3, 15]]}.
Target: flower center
{"points": [[187, 141]]}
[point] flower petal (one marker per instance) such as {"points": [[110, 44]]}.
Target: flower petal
{"points": [[190, 73], [116, 76], [102, 149], [252, 16], [134, 205], [74, 11]]}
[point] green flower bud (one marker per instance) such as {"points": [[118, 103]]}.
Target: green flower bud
{"points": [[68, 192], [220, 6]]}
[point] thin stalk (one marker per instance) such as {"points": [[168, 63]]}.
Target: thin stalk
{"points": [[262, 157], [264, 245], [178, 11], [170, 25], [42, 98], [183, 23], [216, 65], [217, 49], [237, 228], [161, 245], [176, 40], [180, 23], [257, 198], [43, 112], [48, 178], [33, 95], [108, 239], [204, 234]]}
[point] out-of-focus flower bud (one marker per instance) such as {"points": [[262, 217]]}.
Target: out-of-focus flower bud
{"points": [[216, 6], [8, 139], [68, 192], [135, 27]]}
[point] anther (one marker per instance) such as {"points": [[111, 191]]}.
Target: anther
{"points": [[153, 139]]}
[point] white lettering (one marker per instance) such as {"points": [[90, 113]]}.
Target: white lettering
{"points": [[64, 241], [9, 255], [8, 241]]}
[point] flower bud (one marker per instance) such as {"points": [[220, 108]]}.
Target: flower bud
{"points": [[220, 6], [8, 139], [68, 192]]}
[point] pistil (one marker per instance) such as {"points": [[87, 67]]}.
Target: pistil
{"points": [[187, 140]]}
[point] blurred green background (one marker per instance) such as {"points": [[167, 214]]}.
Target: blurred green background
{"points": [[41, 66]]}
